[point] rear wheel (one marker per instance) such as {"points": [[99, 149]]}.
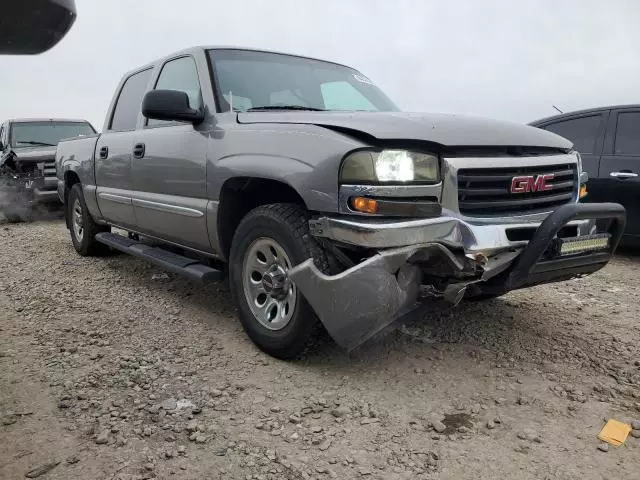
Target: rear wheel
{"points": [[268, 242], [81, 225]]}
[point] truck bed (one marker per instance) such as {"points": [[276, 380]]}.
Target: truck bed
{"points": [[73, 152]]}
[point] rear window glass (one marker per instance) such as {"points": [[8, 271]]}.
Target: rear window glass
{"points": [[583, 132]]}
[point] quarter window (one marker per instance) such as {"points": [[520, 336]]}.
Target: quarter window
{"points": [[583, 132], [628, 134], [125, 113]]}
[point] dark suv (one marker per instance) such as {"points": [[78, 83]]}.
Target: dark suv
{"points": [[608, 138]]}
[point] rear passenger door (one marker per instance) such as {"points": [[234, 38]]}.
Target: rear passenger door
{"points": [[620, 164], [586, 131], [169, 166], [114, 152]]}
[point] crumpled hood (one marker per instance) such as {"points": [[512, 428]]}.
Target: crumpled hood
{"points": [[20, 158], [35, 154], [445, 129]]}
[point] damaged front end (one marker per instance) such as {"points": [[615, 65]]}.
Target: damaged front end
{"points": [[22, 185], [459, 259]]}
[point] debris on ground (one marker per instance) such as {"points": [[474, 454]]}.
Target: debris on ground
{"points": [[614, 432]]}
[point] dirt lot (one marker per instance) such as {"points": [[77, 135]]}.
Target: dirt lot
{"points": [[117, 371]]}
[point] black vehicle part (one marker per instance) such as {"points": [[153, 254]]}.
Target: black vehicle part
{"points": [[537, 264], [34, 26], [186, 267]]}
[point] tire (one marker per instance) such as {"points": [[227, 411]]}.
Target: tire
{"points": [[278, 226], [83, 241]]}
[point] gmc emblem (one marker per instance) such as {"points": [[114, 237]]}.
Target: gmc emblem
{"points": [[531, 183]]}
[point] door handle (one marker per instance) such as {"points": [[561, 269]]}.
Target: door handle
{"points": [[104, 152], [623, 175], [138, 150]]}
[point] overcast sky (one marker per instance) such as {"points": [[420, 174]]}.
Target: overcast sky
{"points": [[504, 59]]}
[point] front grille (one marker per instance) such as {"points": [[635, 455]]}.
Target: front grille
{"points": [[49, 169], [485, 192]]}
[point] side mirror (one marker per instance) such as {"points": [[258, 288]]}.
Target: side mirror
{"points": [[170, 105], [28, 27]]}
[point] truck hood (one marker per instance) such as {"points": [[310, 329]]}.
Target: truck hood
{"points": [[20, 158], [445, 129], [35, 154]]}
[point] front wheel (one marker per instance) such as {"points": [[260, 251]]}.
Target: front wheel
{"points": [[268, 242], [81, 225]]}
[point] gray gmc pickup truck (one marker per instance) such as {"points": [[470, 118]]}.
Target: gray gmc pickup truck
{"points": [[329, 206]]}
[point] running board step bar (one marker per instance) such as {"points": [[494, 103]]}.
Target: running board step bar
{"points": [[185, 267]]}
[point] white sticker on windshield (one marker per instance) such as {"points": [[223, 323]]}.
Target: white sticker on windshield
{"points": [[362, 79]]}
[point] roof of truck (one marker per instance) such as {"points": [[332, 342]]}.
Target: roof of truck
{"points": [[199, 48], [579, 112], [44, 119]]}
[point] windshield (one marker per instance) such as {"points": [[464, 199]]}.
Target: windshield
{"points": [[33, 134], [257, 80]]}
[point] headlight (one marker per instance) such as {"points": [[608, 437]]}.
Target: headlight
{"points": [[390, 166]]}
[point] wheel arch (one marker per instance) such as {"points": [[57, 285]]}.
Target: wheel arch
{"points": [[239, 195]]}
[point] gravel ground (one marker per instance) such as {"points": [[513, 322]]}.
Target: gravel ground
{"points": [[113, 370]]}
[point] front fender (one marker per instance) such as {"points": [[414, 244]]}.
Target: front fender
{"points": [[306, 157]]}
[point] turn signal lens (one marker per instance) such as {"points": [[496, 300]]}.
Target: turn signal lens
{"points": [[364, 205], [583, 191]]}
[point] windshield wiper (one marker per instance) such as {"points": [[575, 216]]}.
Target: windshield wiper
{"points": [[286, 107], [32, 142]]}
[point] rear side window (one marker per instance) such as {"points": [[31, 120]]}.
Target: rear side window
{"points": [[583, 132], [129, 103], [628, 134], [180, 74]]}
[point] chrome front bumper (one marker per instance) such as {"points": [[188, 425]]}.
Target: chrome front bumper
{"points": [[356, 304], [447, 230]]}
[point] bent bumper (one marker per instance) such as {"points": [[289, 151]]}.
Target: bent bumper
{"points": [[358, 303], [45, 196]]}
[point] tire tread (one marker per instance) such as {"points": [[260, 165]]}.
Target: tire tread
{"points": [[296, 219]]}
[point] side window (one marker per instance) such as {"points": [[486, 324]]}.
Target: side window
{"points": [[2, 142], [129, 103], [583, 131], [180, 74], [628, 134], [344, 96]]}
